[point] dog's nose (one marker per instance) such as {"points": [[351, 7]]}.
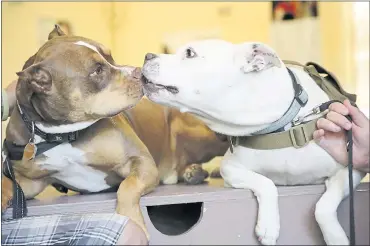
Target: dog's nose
{"points": [[150, 56], [136, 73]]}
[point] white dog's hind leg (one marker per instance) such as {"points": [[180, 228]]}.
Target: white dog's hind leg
{"points": [[337, 188], [268, 220]]}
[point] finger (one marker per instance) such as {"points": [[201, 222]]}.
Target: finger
{"points": [[318, 134], [339, 120], [357, 116], [320, 141], [339, 108], [327, 125]]}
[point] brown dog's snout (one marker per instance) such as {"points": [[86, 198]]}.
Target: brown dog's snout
{"points": [[150, 56], [136, 73]]}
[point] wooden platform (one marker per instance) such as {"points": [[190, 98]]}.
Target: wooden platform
{"points": [[213, 214]]}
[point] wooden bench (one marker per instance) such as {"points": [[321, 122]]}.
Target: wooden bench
{"points": [[212, 214]]}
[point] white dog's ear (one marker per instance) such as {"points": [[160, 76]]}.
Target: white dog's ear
{"points": [[254, 57]]}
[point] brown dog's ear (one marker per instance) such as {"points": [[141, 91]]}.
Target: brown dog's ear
{"points": [[38, 78], [254, 57], [57, 31]]}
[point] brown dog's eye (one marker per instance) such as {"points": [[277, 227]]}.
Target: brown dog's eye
{"points": [[190, 53], [98, 70]]}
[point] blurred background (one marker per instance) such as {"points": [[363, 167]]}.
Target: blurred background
{"points": [[333, 34]]}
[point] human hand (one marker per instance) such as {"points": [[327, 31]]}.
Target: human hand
{"points": [[331, 137]]}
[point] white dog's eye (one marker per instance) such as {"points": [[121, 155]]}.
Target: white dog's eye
{"points": [[190, 53]]}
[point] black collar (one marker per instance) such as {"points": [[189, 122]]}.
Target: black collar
{"points": [[48, 137]]}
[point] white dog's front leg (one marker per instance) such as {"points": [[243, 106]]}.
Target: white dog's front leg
{"points": [[337, 188], [268, 221]]}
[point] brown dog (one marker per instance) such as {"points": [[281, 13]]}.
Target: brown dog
{"points": [[69, 89], [178, 142], [73, 85]]}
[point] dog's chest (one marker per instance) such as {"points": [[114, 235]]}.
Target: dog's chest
{"points": [[70, 164], [288, 166]]}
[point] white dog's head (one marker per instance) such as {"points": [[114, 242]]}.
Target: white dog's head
{"points": [[228, 86]]}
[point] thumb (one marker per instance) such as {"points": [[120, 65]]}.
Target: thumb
{"points": [[357, 116]]}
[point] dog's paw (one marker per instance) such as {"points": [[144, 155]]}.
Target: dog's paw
{"points": [[267, 231], [334, 234], [194, 174], [339, 239], [216, 173], [6, 193]]}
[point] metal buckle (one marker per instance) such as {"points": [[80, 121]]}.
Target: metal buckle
{"points": [[19, 108], [299, 120], [293, 132], [72, 136], [234, 142], [32, 139]]}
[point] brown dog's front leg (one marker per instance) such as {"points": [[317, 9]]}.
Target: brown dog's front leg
{"points": [[6, 192], [142, 179], [31, 188]]}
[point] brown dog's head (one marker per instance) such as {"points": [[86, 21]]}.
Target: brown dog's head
{"points": [[73, 79]]}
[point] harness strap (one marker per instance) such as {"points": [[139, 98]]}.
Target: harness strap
{"points": [[15, 152], [334, 88], [298, 137], [326, 80]]}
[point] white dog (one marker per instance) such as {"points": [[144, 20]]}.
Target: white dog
{"points": [[238, 90]]}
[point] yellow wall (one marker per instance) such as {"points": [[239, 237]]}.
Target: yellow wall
{"points": [[20, 28], [135, 28], [337, 40], [142, 25]]}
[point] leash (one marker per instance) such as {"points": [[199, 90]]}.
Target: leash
{"points": [[19, 200], [349, 143]]}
